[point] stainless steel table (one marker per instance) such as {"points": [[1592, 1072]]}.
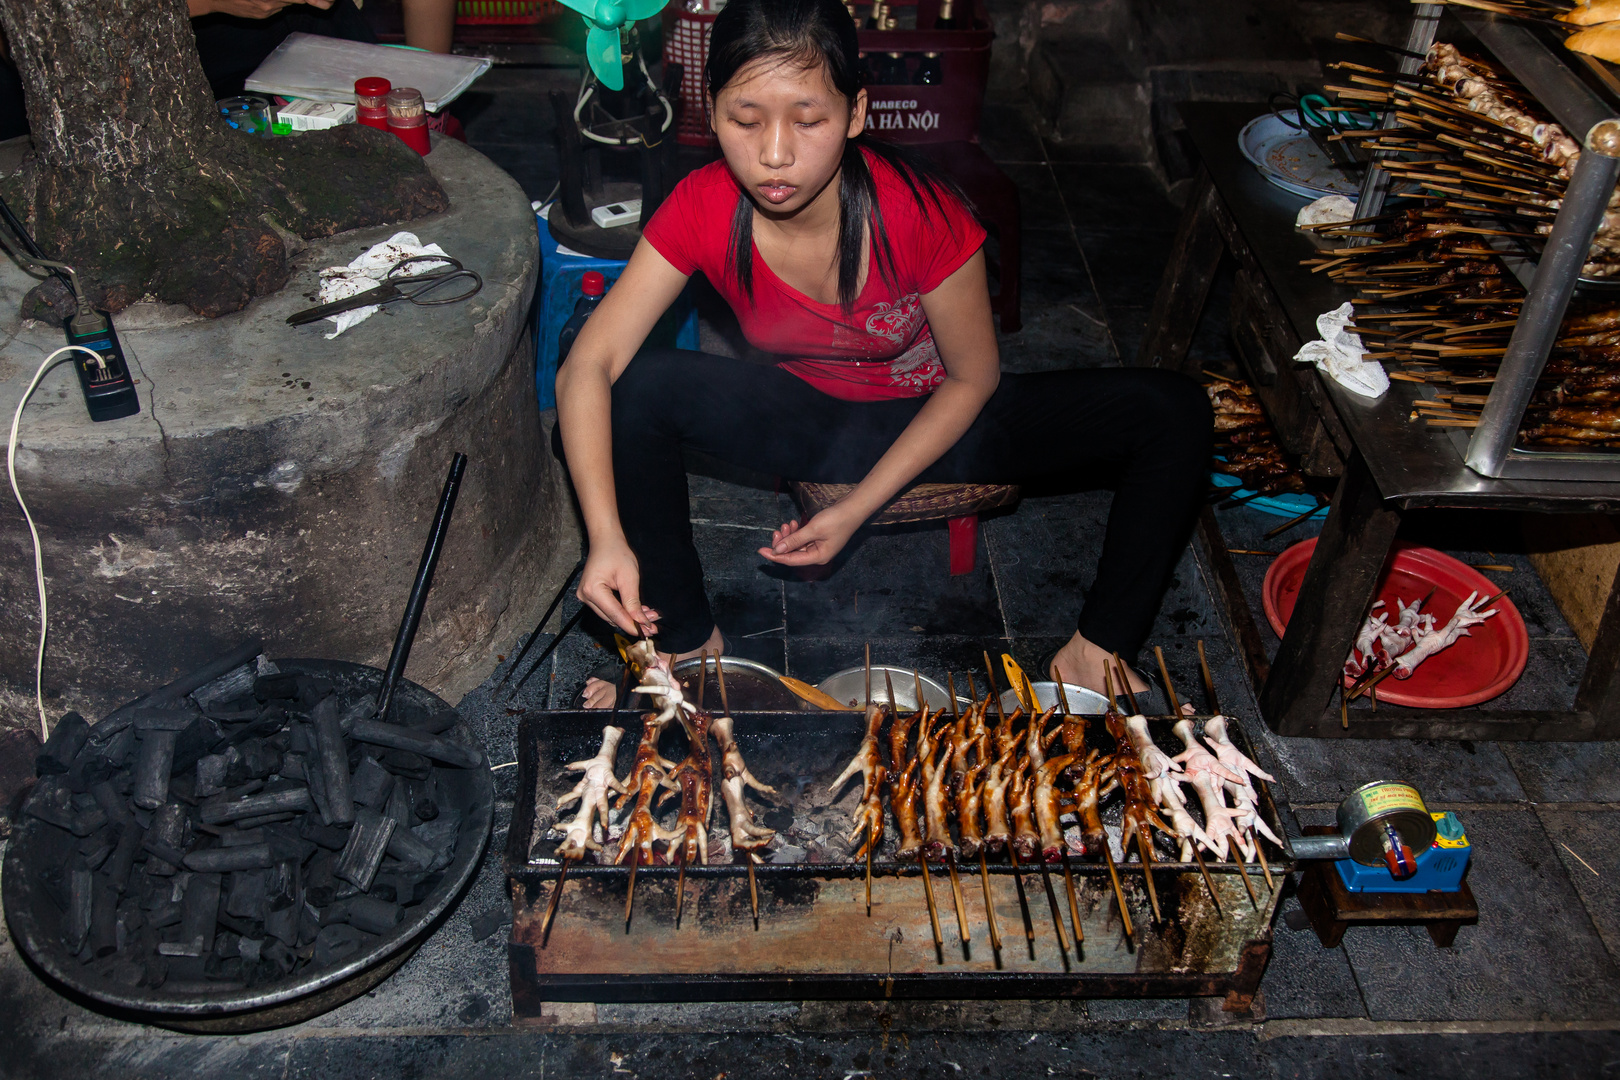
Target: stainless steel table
{"points": [[1385, 463]]}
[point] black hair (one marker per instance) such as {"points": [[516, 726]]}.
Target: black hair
{"points": [[819, 34]]}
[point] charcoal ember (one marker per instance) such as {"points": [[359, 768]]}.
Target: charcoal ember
{"points": [[405, 846], [368, 842], [399, 806], [76, 919], [294, 800], [219, 860], [259, 759], [248, 895], [198, 918], [286, 900], [240, 837], [321, 896], [211, 772], [285, 844], [372, 915], [490, 921], [436, 747], [312, 689], [327, 836], [166, 839], [440, 834], [282, 686], [425, 809], [167, 718], [249, 949], [202, 737], [154, 758], [363, 709], [279, 955], [331, 913], [336, 943], [94, 849], [122, 860], [112, 803], [119, 747], [371, 784], [164, 917], [267, 819], [294, 766], [315, 780], [67, 739], [230, 686], [406, 763], [271, 720], [52, 803], [103, 918]]}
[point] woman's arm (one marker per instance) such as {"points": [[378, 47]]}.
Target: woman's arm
{"points": [[958, 314], [611, 582]]}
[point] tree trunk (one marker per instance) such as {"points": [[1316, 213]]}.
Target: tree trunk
{"points": [[139, 184]]}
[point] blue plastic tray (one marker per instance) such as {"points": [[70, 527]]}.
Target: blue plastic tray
{"points": [[1288, 506]]}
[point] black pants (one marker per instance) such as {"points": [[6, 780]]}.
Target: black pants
{"points": [[232, 48], [1147, 431]]}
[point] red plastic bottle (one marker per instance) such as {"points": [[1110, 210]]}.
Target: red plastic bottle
{"points": [[591, 287], [368, 96]]}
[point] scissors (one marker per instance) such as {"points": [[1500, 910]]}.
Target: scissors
{"points": [[448, 275], [1320, 119]]}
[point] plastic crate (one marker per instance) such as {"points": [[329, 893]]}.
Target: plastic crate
{"points": [[503, 12], [686, 42]]}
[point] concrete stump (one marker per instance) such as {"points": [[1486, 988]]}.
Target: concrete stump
{"points": [[282, 485]]}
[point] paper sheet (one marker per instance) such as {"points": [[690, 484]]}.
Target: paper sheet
{"points": [[324, 69]]}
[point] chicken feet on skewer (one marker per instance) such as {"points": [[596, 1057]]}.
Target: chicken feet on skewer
{"points": [[1096, 781], [1047, 811], [591, 793], [1155, 762], [745, 835], [693, 778], [997, 832], [903, 796], [1196, 757], [936, 800], [648, 777], [1026, 840]]}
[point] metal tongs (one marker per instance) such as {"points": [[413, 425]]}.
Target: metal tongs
{"points": [[451, 284]]}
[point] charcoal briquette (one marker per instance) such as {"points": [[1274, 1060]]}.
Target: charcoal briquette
{"points": [[260, 757], [399, 807], [153, 760], [363, 709], [52, 803], [372, 915], [368, 842], [225, 859], [240, 837], [336, 943], [93, 850], [88, 821], [199, 912], [293, 766], [436, 747], [154, 972], [332, 913], [122, 860], [267, 819], [371, 784], [293, 800], [211, 770], [248, 949], [167, 837], [312, 689], [404, 846], [279, 687], [118, 747], [234, 684], [201, 737], [111, 803], [436, 722], [246, 896], [315, 778], [76, 920], [164, 917], [320, 896], [279, 955], [405, 763], [309, 925], [285, 844], [67, 739], [103, 918], [286, 900], [425, 809], [327, 836], [162, 719]]}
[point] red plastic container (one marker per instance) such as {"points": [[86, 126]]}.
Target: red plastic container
{"points": [[407, 118], [368, 96], [1475, 669]]}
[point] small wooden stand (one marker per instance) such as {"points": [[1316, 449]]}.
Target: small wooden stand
{"points": [[1332, 908]]}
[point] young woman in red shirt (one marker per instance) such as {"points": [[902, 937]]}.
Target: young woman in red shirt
{"points": [[861, 276]]}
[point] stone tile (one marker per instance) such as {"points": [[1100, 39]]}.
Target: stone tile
{"points": [[1326, 770], [1101, 1010], [1124, 199], [1590, 835], [1550, 677], [1063, 320], [1567, 772], [1306, 980], [1045, 558], [892, 582], [1534, 955], [1007, 132]]}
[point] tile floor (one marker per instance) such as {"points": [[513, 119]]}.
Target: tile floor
{"points": [[1533, 990]]}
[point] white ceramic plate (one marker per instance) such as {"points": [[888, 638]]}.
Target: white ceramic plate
{"points": [[1289, 158]]}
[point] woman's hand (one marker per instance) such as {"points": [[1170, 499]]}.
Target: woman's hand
{"points": [[815, 542], [611, 587]]}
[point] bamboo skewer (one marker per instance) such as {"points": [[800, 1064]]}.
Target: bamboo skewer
{"points": [[1169, 691], [551, 909], [1051, 899], [1119, 892], [1265, 867], [630, 892], [680, 888], [1147, 875], [989, 902], [1125, 685], [1023, 899], [928, 890], [1243, 872], [956, 895], [748, 856], [1074, 902], [1210, 699]]}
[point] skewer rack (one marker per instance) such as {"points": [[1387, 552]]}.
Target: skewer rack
{"points": [[1545, 68], [814, 937]]}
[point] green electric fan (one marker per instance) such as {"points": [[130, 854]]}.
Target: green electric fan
{"points": [[606, 19]]}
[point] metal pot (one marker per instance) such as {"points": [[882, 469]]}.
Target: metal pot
{"points": [[750, 685], [1079, 699], [34, 918], [849, 687]]}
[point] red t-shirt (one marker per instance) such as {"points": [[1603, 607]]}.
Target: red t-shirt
{"points": [[884, 349]]}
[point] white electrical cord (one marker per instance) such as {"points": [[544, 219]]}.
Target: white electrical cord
{"points": [[51, 361]]}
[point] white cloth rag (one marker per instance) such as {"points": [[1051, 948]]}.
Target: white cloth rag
{"points": [[1339, 355], [367, 272], [1328, 210]]}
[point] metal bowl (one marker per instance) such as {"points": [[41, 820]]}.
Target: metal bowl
{"points": [[35, 921], [1079, 699], [750, 686], [849, 687]]}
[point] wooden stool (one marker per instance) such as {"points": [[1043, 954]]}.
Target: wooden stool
{"points": [[1332, 908], [958, 504]]}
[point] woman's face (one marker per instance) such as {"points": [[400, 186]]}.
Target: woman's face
{"points": [[782, 127]]}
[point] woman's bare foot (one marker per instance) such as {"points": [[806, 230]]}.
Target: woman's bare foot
{"points": [[1081, 663], [599, 692]]}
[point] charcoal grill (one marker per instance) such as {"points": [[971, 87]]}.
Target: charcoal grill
{"points": [[35, 919], [815, 939]]}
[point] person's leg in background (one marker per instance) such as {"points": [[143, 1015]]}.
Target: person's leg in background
{"points": [[430, 24]]}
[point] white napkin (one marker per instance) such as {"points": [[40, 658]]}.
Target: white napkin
{"points": [[1339, 355], [1329, 209], [367, 272]]}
